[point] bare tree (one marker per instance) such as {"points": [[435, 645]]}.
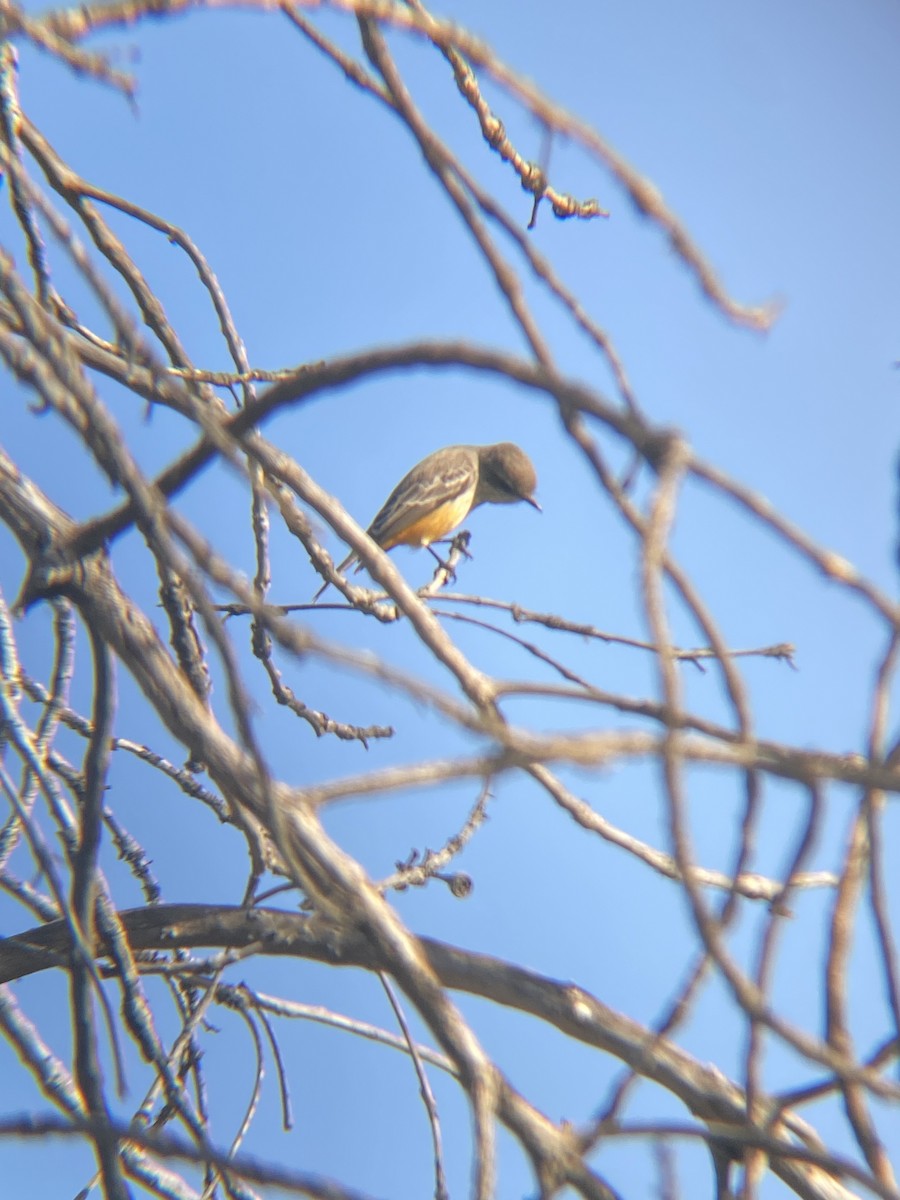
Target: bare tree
{"points": [[123, 1064]]}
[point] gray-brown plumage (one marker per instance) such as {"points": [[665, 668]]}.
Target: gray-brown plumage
{"points": [[439, 493]]}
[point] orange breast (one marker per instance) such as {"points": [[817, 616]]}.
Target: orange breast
{"points": [[433, 526]]}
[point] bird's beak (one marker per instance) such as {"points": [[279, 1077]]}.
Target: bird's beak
{"points": [[534, 504]]}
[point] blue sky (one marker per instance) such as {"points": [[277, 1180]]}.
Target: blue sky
{"points": [[772, 132]]}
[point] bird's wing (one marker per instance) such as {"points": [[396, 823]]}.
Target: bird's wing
{"points": [[418, 494]]}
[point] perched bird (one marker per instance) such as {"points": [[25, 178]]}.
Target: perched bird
{"points": [[439, 493]]}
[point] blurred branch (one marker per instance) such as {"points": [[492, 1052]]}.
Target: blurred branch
{"points": [[75, 24], [66, 366], [704, 1091]]}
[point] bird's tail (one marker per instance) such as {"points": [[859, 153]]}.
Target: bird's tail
{"points": [[340, 568]]}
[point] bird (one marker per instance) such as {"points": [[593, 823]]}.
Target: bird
{"points": [[437, 495]]}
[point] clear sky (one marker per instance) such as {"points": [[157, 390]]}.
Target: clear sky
{"points": [[772, 130]]}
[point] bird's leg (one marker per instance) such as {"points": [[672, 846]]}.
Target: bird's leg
{"points": [[459, 547], [442, 565], [447, 569], [461, 543]]}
